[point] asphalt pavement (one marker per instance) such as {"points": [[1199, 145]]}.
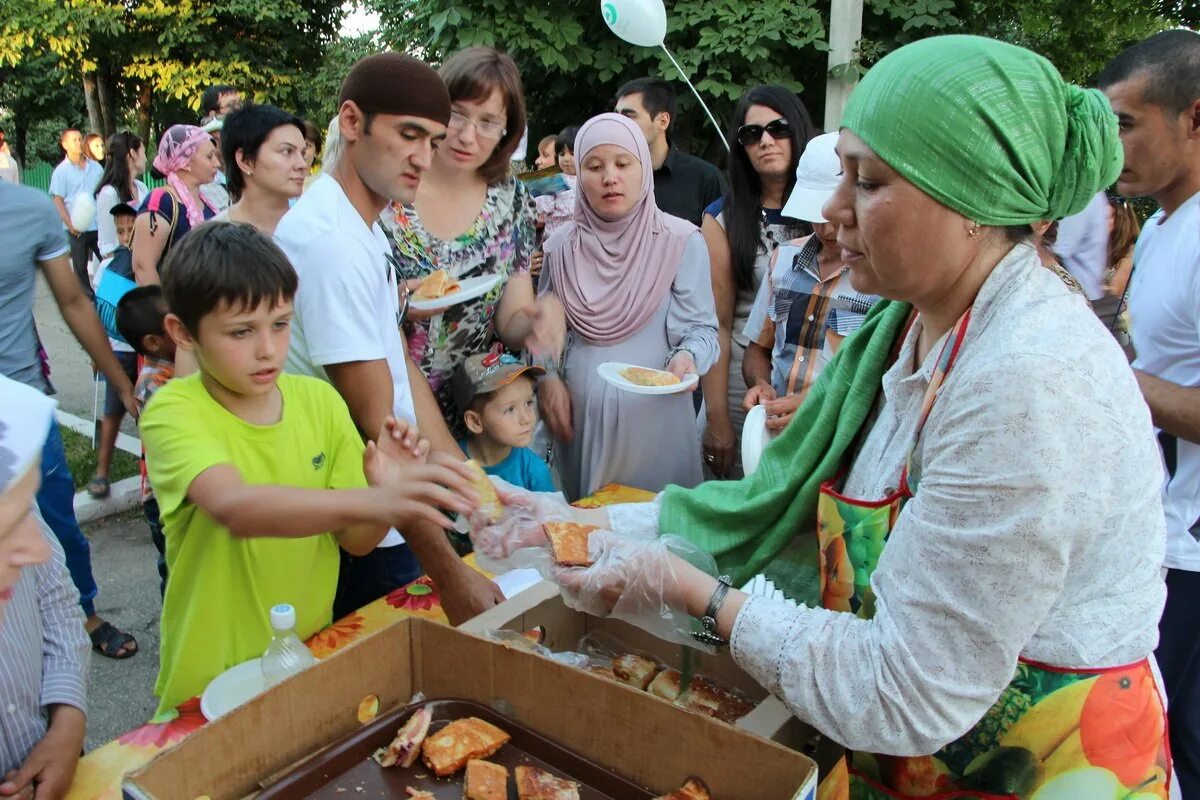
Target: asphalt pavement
{"points": [[121, 695]]}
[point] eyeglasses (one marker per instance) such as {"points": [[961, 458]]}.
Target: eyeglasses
{"points": [[752, 134], [484, 127]]}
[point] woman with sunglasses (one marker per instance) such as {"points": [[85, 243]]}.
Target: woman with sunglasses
{"points": [[472, 218], [742, 229]]}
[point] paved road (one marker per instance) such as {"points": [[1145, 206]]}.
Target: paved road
{"points": [[123, 559]]}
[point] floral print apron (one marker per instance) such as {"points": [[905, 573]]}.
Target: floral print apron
{"points": [[1055, 733]]}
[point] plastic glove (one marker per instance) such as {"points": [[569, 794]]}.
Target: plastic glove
{"points": [[635, 580], [519, 527]]}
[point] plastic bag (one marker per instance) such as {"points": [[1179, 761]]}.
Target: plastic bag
{"points": [[520, 641]]}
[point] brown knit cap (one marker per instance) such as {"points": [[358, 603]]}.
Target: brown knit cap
{"points": [[394, 83]]}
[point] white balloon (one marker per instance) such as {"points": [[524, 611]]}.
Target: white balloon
{"points": [[640, 22]]}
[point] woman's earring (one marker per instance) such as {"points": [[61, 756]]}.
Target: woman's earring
{"points": [[974, 232]]}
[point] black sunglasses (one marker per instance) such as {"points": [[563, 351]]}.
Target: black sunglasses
{"points": [[752, 134]]}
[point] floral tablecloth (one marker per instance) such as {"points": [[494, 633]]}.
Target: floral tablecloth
{"points": [[100, 772]]}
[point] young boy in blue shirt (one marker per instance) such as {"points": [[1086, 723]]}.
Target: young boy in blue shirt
{"points": [[495, 395]]}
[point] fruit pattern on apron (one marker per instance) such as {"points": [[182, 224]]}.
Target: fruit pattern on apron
{"points": [[1053, 734]]}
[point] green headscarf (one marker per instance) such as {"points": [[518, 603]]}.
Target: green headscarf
{"points": [[987, 129]]}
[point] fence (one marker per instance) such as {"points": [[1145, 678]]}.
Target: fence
{"points": [[38, 176]]}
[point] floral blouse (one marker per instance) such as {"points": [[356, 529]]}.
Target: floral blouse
{"points": [[500, 241]]}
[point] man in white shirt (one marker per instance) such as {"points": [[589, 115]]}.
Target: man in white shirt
{"points": [[394, 111], [1154, 88], [10, 170], [75, 178]]}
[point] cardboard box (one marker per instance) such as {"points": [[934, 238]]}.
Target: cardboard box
{"points": [[646, 740], [542, 605]]}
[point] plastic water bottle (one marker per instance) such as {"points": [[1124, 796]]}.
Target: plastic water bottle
{"points": [[286, 654]]}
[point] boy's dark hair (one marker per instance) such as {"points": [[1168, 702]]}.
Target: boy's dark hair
{"points": [[1171, 63], [246, 129], [225, 262], [566, 140], [210, 101], [140, 313], [658, 97]]}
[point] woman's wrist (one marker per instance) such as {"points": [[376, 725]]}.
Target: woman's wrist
{"points": [[693, 591]]}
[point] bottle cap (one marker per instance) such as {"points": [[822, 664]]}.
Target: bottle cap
{"points": [[283, 617]]}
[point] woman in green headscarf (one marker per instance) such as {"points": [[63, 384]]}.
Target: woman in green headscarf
{"points": [[977, 462]]}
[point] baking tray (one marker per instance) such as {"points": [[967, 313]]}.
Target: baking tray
{"points": [[346, 770]]}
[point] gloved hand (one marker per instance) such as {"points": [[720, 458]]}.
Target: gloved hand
{"points": [[636, 580], [519, 527]]}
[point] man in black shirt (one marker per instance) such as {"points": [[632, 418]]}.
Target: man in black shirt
{"points": [[683, 184]]}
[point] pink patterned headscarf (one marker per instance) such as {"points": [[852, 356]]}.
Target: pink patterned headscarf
{"points": [[175, 152], [612, 274]]}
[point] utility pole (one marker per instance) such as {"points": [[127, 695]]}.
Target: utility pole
{"points": [[845, 29]]}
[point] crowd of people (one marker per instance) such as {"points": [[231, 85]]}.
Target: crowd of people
{"points": [[970, 492]]}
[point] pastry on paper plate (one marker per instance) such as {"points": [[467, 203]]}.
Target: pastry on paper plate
{"points": [[569, 543], [485, 781], [649, 377], [537, 784], [694, 789], [634, 670], [435, 285], [490, 506], [448, 751]]}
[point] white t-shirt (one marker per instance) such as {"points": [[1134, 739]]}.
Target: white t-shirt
{"points": [[106, 226], [1164, 311], [347, 307], [1083, 245]]}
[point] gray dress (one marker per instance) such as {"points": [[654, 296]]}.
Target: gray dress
{"points": [[640, 440]]}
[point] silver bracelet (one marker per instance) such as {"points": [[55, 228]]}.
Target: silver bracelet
{"points": [[709, 621]]}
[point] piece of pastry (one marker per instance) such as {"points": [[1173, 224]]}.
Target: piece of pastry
{"points": [[649, 377], [537, 784], [406, 746], [634, 670], [448, 751], [604, 672], [436, 284], [665, 685], [704, 697], [569, 543], [694, 789], [419, 794], [490, 507], [485, 781]]}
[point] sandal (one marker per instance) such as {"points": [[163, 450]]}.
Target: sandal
{"points": [[108, 640], [98, 488]]}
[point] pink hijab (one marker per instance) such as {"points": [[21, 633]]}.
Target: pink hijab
{"points": [[612, 275], [175, 152]]}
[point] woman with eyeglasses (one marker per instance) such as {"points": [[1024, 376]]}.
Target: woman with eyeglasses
{"points": [[472, 218], [769, 130]]}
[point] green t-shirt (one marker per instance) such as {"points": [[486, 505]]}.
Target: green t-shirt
{"points": [[216, 610]]}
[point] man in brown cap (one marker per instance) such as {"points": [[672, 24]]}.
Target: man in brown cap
{"points": [[346, 330]]}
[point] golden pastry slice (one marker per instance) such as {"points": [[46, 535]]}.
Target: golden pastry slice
{"points": [[448, 751], [694, 789], [634, 670], [569, 543], [537, 784], [649, 377], [489, 502], [704, 697], [485, 781], [435, 285]]}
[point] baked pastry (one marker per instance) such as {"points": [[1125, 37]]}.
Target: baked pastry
{"points": [[604, 672], [694, 789], [704, 697], [419, 794], [485, 781], [436, 284], [537, 784], [649, 377], [569, 543], [634, 670], [490, 506], [448, 751], [406, 746]]}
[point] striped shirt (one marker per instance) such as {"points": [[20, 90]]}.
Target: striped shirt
{"points": [[44, 654], [797, 341]]}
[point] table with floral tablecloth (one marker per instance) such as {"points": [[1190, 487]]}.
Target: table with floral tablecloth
{"points": [[100, 772]]}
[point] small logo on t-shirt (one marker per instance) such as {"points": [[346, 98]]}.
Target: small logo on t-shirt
{"points": [[318, 461]]}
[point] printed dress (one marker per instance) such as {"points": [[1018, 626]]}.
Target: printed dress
{"points": [[500, 241]]}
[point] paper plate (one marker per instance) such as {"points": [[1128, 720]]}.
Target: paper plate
{"points": [[469, 290], [611, 372], [233, 687], [755, 438]]}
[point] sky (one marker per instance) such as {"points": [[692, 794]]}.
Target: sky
{"points": [[358, 20]]}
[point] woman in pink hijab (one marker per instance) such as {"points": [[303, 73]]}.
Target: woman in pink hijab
{"points": [[635, 288], [187, 156]]}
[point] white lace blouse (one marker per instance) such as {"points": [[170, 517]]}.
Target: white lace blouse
{"points": [[1037, 530]]}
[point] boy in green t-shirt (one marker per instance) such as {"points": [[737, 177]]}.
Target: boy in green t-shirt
{"points": [[261, 476]]}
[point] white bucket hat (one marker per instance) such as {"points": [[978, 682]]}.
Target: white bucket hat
{"points": [[816, 179]]}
